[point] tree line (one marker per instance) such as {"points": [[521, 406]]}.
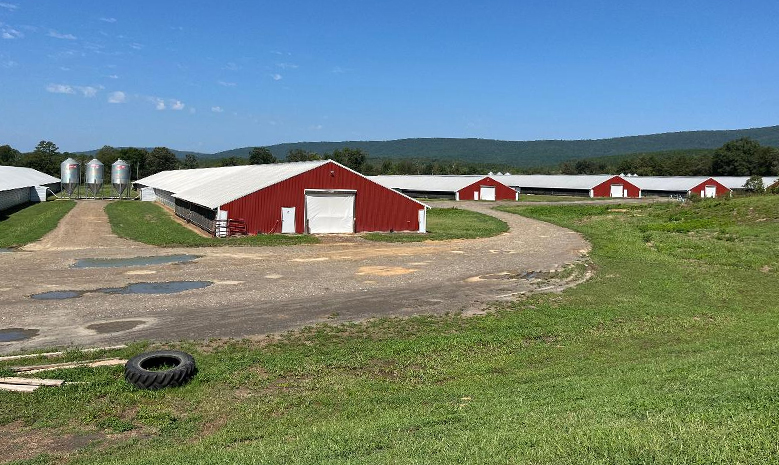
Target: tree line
{"points": [[740, 157]]}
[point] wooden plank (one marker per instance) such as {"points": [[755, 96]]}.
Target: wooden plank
{"points": [[59, 366], [56, 354], [17, 387], [32, 381]]}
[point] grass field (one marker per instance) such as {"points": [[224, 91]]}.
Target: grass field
{"points": [[149, 223], [28, 223], [448, 223], [667, 355], [557, 198]]}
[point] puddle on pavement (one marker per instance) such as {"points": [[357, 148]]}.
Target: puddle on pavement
{"points": [[169, 287], [57, 295], [115, 326], [133, 261], [17, 334]]}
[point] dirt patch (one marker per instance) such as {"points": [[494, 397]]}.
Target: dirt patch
{"points": [[22, 443], [115, 326], [384, 270]]}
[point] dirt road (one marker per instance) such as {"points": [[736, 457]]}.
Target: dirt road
{"points": [[259, 290]]}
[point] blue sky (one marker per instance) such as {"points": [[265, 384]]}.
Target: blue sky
{"points": [[210, 76]]}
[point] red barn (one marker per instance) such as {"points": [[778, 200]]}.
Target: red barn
{"points": [[455, 187], [304, 197], [710, 188], [616, 186]]}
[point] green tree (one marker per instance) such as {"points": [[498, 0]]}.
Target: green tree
{"points": [[755, 184], [161, 159], [136, 158], [44, 158], [230, 161], [190, 162], [108, 155], [9, 156], [302, 155], [387, 167], [261, 156], [742, 157]]}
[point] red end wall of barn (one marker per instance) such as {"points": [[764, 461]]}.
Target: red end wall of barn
{"points": [[502, 191], [721, 189], [376, 208], [604, 189]]}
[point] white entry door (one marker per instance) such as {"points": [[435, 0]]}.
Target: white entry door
{"points": [[330, 212], [617, 190], [710, 191], [288, 220], [487, 192], [475, 195]]}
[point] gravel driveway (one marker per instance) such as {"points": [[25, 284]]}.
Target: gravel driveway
{"points": [[261, 290]]}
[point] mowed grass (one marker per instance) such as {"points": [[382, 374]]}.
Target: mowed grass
{"points": [[28, 223], [149, 223], [667, 355], [448, 223]]}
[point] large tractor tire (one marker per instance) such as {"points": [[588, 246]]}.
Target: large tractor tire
{"points": [[160, 369]]}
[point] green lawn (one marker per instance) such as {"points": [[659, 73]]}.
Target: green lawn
{"points": [[667, 355], [149, 223], [25, 224], [448, 223]]}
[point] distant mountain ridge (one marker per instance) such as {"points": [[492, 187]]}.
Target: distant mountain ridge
{"points": [[521, 153]]}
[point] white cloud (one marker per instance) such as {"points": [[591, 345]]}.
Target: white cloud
{"points": [[159, 104], [136, 46], [57, 35], [177, 105], [226, 84], [338, 70], [287, 65], [88, 91], [10, 64], [10, 33], [217, 109], [60, 89], [276, 77], [316, 127], [113, 76], [117, 97], [9, 6], [232, 67], [108, 20], [64, 68]]}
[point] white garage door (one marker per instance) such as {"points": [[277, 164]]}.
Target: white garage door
{"points": [[710, 192], [487, 192], [617, 190], [330, 212]]}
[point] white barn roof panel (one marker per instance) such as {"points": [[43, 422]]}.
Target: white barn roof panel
{"points": [[15, 177]]}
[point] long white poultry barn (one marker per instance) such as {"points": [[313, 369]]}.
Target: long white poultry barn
{"points": [[21, 185]]}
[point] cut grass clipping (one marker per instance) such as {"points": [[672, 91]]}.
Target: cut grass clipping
{"points": [[28, 223], [448, 223], [149, 223], [667, 355]]}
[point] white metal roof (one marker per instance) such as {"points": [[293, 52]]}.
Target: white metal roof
{"points": [[668, 183], [426, 183], [737, 182], [15, 177], [214, 187], [555, 181]]}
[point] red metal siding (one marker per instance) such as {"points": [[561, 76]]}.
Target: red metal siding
{"points": [[604, 189], [700, 188], [502, 191], [376, 207]]}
